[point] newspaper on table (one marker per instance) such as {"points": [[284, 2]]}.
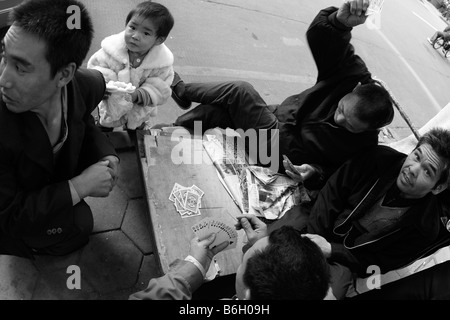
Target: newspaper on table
{"points": [[268, 194], [255, 190], [230, 165]]}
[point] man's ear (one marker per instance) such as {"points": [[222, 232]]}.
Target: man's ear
{"points": [[439, 189], [66, 74]]}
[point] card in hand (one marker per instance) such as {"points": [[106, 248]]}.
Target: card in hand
{"points": [[224, 232], [292, 167], [375, 6]]}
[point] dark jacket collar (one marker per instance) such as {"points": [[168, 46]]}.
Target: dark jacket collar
{"points": [[23, 129]]}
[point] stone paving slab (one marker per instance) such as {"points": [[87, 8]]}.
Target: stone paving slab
{"points": [[136, 225], [108, 212], [18, 277], [111, 262]]}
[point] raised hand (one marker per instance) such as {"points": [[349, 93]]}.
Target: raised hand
{"points": [[353, 12], [254, 228]]}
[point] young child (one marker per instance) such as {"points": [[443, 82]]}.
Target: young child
{"points": [[138, 56]]}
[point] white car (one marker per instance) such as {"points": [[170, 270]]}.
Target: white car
{"points": [[5, 8]]}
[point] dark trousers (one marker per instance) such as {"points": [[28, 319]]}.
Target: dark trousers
{"points": [[235, 105], [67, 241]]}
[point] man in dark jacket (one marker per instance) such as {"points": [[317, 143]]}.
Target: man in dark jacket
{"points": [[382, 208], [319, 128], [52, 154]]}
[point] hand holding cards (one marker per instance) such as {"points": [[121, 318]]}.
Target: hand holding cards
{"points": [[224, 232]]}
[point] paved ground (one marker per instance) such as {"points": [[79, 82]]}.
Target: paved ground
{"points": [[120, 257]]}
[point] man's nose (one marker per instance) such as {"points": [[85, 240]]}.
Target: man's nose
{"points": [[4, 76], [414, 169]]}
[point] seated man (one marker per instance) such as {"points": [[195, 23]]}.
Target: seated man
{"points": [[52, 154], [381, 208], [282, 266], [319, 128]]}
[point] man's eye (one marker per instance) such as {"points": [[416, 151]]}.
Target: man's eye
{"points": [[19, 69]]}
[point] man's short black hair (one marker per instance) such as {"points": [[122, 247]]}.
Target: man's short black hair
{"points": [[291, 267], [439, 140], [159, 14], [48, 20], [375, 106]]}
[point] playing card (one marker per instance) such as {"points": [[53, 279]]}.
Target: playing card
{"points": [[224, 232], [177, 195], [189, 214], [197, 190], [187, 201], [179, 206], [291, 166], [191, 201], [375, 6], [182, 193], [175, 188], [200, 229]]}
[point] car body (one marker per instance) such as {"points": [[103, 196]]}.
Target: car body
{"points": [[5, 7]]}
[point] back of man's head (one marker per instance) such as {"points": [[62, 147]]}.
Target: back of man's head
{"points": [[439, 140], [375, 105], [65, 26], [291, 267]]}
